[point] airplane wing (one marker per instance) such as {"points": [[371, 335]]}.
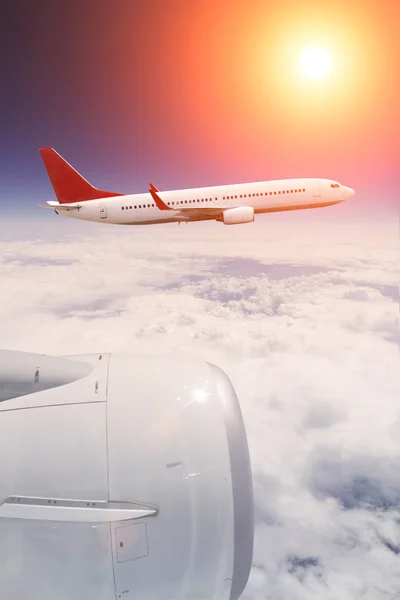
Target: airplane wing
{"points": [[187, 212], [119, 522]]}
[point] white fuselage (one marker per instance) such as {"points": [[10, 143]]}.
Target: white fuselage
{"points": [[263, 197]]}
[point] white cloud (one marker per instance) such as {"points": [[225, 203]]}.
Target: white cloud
{"points": [[303, 317]]}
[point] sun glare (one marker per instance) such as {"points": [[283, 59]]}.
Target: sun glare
{"points": [[316, 62]]}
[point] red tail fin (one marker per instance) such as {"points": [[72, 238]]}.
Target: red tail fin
{"points": [[68, 184]]}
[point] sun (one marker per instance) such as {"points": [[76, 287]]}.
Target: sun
{"points": [[316, 62]]}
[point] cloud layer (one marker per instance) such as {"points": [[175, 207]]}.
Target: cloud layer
{"points": [[303, 316]]}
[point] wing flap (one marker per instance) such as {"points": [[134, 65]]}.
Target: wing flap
{"points": [[198, 212]]}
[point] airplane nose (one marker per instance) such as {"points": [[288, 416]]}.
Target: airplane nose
{"points": [[348, 192]]}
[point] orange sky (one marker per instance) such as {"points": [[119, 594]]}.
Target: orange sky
{"points": [[198, 92], [235, 72]]}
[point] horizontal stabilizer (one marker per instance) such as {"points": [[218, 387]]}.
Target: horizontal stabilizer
{"points": [[61, 207]]}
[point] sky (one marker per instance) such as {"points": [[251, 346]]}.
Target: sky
{"points": [[190, 94], [300, 309]]}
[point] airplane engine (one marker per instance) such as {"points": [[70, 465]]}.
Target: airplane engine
{"points": [[241, 214], [122, 477]]}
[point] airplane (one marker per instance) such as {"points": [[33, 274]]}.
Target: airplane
{"points": [[119, 484], [229, 204]]}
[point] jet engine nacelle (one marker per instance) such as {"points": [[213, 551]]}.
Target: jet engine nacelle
{"points": [[241, 214], [122, 477]]}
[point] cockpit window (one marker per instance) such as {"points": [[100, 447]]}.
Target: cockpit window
{"points": [[335, 185]]}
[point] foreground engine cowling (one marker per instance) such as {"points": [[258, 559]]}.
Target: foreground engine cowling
{"points": [[241, 214], [122, 477]]}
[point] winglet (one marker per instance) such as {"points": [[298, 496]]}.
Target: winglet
{"points": [[159, 203]]}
